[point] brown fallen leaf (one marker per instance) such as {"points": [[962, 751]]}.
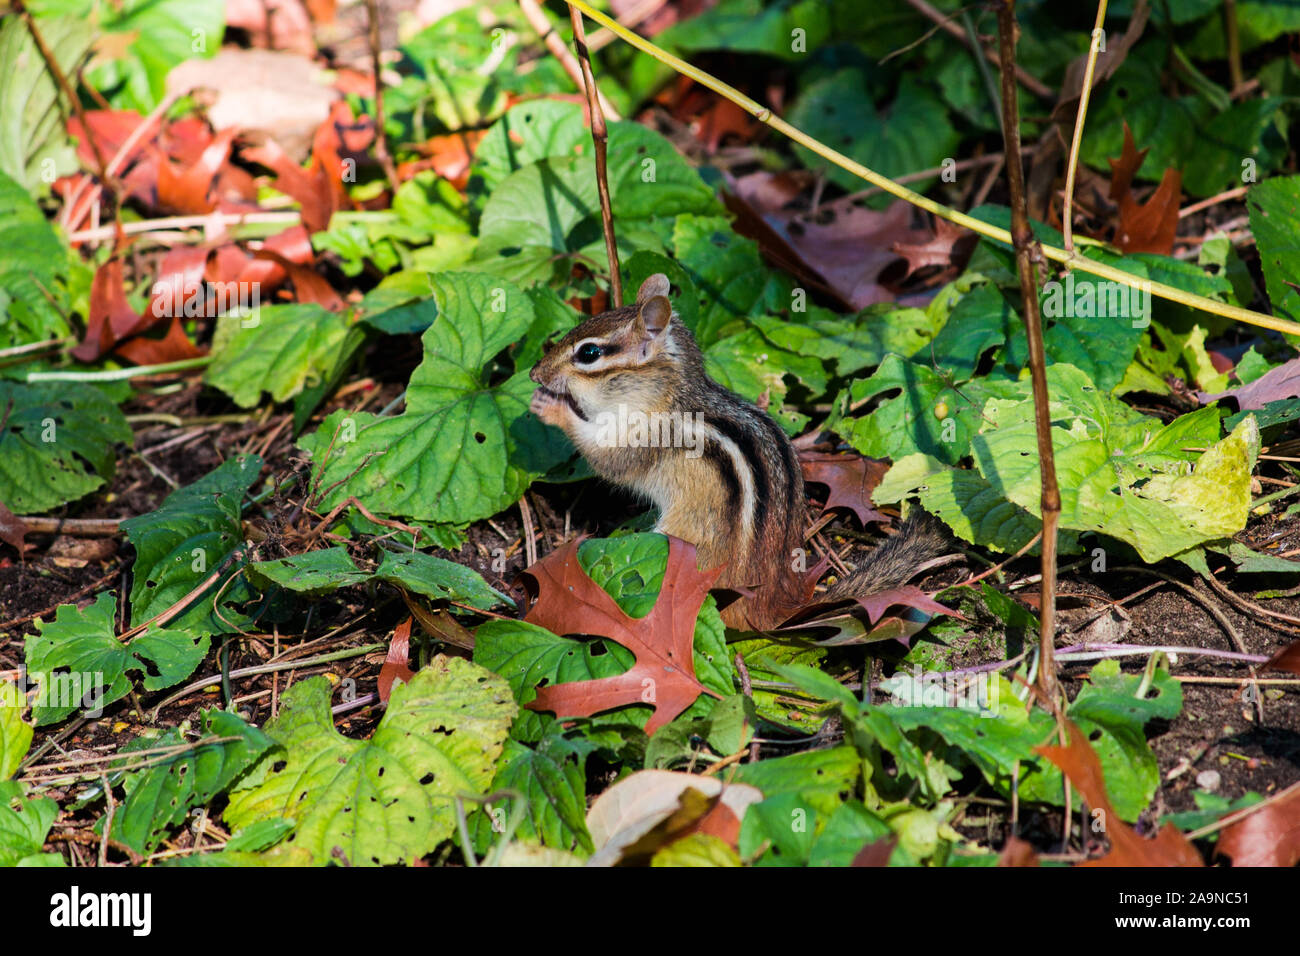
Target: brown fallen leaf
{"points": [[875, 854], [1274, 385], [13, 530], [397, 665], [289, 27], [850, 479], [1149, 226], [945, 249], [1287, 659], [1018, 852], [1269, 836], [852, 249], [1078, 761], [449, 156], [264, 92], [570, 602]]}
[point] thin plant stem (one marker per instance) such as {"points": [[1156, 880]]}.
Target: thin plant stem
{"points": [[1071, 260], [1098, 38], [119, 374], [600, 138], [381, 140], [1024, 245]]}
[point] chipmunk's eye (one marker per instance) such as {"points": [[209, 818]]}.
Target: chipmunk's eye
{"points": [[588, 353]]}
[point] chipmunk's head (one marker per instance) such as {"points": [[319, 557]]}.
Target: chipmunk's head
{"points": [[631, 356]]}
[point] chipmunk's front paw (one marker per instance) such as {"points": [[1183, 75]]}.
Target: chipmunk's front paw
{"points": [[549, 407]]}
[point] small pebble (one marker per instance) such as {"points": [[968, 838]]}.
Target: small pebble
{"points": [[1208, 780]]}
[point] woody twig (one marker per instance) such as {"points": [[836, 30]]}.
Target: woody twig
{"points": [[600, 137], [1026, 253]]}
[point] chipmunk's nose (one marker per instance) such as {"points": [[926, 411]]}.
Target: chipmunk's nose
{"points": [[536, 374]]}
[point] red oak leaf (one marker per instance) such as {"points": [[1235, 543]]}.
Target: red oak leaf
{"points": [[850, 478], [1149, 226], [570, 602]]}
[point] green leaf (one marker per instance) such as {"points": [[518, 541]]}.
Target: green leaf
{"points": [[964, 500], [157, 34], [79, 660], [913, 133], [56, 444], [930, 415], [1274, 207], [762, 657], [314, 573], [822, 779], [24, 824], [390, 798], [466, 446], [551, 779], [160, 797], [850, 828], [1120, 472], [186, 540], [536, 164], [439, 579], [280, 349], [750, 26], [34, 148], [698, 849], [15, 733]]}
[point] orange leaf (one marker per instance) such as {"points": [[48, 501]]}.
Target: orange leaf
{"points": [[1269, 836], [570, 602], [1079, 762], [1287, 659], [397, 666], [850, 478], [1149, 226]]}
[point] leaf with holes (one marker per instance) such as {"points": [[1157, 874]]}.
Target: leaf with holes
{"points": [[56, 443], [159, 797], [78, 660], [182, 543], [15, 733], [390, 798], [1122, 473], [466, 446]]}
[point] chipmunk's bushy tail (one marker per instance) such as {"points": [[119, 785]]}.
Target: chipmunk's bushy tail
{"points": [[920, 538]]}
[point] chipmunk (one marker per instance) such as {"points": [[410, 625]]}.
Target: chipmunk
{"points": [[629, 388]]}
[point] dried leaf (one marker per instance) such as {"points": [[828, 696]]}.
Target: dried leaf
{"points": [[850, 478], [12, 530], [1268, 837], [1018, 852], [876, 854], [1287, 659], [1274, 385], [1079, 762], [569, 602], [908, 595], [397, 665], [1149, 226]]}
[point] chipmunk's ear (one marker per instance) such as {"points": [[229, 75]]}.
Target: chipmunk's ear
{"points": [[656, 284], [650, 327]]}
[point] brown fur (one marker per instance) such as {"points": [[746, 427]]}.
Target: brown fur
{"points": [[741, 502]]}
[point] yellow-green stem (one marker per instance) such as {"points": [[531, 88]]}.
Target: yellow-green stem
{"points": [[1070, 260]]}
